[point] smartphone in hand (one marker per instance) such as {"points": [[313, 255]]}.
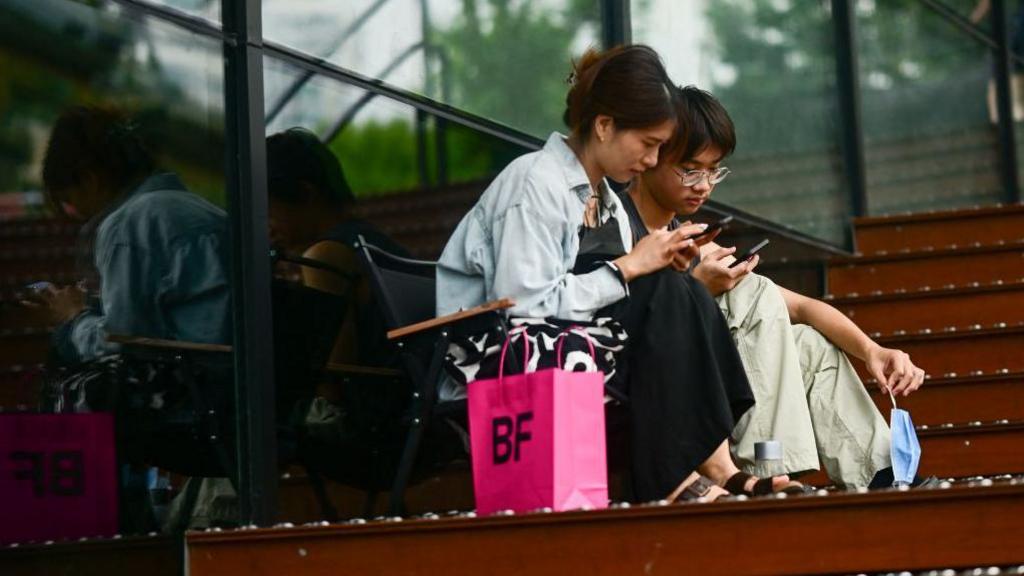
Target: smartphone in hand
{"points": [[749, 253], [37, 287], [712, 227]]}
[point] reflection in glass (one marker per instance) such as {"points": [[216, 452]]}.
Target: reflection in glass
{"points": [[772, 66], [385, 147], [120, 118], [930, 142], [208, 9], [502, 60]]}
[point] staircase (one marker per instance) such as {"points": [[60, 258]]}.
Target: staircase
{"points": [[946, 287], [30, 251]]}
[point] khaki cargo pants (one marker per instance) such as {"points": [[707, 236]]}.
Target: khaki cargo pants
{"points": [[808, 395]]}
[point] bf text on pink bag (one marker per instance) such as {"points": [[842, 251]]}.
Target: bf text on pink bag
{"points": [[538, 439], [57, 476]]}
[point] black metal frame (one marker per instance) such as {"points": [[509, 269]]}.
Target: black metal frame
{"points": [[245, 50], [616, 23], [1003, 58], [1004, 103], [250, 267], [421, 354], [852, 129]]}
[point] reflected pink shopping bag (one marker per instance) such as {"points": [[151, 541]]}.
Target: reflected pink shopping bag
{"points": [[538, 439], [57, 476]]}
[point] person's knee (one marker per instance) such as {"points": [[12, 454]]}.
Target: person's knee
{"points": [[816, 351]]}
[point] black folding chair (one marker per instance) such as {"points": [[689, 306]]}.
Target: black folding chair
{"points": [[198, 439], [405, 292]]}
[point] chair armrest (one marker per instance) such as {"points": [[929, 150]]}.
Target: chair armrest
{"points": [[354, 369], [494, 305], [168, 345]]}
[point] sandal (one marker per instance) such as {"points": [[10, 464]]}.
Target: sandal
{"points": [[737, 484], [697, 489]]}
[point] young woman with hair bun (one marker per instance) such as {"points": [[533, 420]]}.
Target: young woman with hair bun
{"points": [[551, 234]]}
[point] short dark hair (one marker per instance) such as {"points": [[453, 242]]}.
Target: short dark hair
{"points": [[703, 123], [297, 156], [627, 83], [98, 140]]}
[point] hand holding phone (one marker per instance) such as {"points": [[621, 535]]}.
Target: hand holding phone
{"points": [[37, 287], [712, 227], [749, 253]]}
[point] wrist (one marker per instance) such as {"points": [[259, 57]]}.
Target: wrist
{"points": [[871, 349], [625, 266]]}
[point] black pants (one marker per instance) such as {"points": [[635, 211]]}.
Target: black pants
{"points": [[683, 377]]}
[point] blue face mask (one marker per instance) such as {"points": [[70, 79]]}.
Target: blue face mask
{"points": [[906, 450]]}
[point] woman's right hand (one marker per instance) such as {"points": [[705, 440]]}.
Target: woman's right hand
{"points": [[659, 249]]}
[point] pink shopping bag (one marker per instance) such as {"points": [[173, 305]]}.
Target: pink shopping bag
{"points": [[57, 476], [538, 439]]}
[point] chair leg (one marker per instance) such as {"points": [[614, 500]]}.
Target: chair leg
{"points": [[396, 505], [316, 481], [423, 407], [370, 505], [209, 419]]}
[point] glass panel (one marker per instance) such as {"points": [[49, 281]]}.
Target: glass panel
{"points": [[772, 65], [386, 148], [207, 9], [120, 119], [407, 179], [929, 138], [506, 61]]}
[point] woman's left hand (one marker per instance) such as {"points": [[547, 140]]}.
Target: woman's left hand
{"points": [[894, 370], [63, 304], [682, 259]]}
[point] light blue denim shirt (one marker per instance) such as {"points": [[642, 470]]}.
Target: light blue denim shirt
{"points": [[163, 266], [521, 239]]}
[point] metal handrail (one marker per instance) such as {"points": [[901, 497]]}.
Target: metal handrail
{"points": [[950, 15], [308, 75]]}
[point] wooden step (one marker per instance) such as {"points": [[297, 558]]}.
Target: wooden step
{"points": [[39, 261], [956, 450], [960, 450], [986, 397], [935, 308], [987, 225], [37, 233], [960, 350], [14, 316], [150, 555], [911, 270], [19, 386], [28, 346], [980, 526]]}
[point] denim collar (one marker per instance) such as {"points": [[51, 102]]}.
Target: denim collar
{"points": [[575, 176]]}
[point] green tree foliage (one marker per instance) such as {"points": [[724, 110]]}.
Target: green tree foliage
{"points": [[508, 60], [918, 72]]}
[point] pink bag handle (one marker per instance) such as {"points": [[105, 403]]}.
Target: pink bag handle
{"points": [[560, 362], [504, 349]]}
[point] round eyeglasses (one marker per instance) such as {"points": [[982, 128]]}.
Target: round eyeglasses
{"points": [[694, 177]]}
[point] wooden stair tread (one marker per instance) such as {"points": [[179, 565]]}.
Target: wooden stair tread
{"points": [[153, 555], [973, 396], [960, 350], [896, 337], [981, 526], [910, 254], [955, 214], [967, 289]]}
